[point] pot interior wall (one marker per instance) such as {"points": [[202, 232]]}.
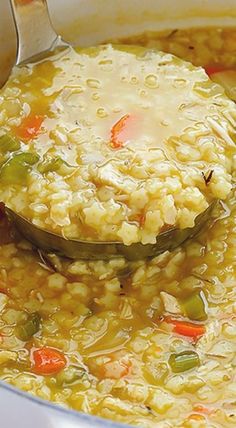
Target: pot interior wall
{"points": [[86, 22], [92, 21]]}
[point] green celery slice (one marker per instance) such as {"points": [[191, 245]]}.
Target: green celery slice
{"points": [[55, 165], [26, 330], [184, 361], [50, 165], [8, 144], [16, 169], [195, 307]]}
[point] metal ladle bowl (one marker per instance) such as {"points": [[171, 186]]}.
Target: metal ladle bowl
{"points": [[36, 37], [53, 243]]}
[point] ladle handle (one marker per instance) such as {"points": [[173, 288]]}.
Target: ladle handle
{"points": [[35, 33]]}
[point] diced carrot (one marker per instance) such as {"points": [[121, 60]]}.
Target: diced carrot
{"points": [[212, 69], [4, 291], [30, 127], [48, 361], [185, 328], [202, 409], [196, 417], [117, 132], [142, 219]]}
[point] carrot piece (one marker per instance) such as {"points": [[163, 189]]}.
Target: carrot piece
{"points": [[3, 290], [48, 361], [185, 328], [212, 69], [117, 140], [202, 409], [142, 219], [30, 127], [196, 417]]}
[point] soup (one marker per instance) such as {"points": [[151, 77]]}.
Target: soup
{"points": [[149, 343], [82, 160]]}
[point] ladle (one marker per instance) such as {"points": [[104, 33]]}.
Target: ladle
{"points": [[34, 30]]}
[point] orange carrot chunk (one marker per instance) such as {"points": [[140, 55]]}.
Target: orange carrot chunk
{"points": [[118, 137], [29, 127], [48, 361], [202, 409], [186, 328], [4, 291], [196, 417], [212, 69]]}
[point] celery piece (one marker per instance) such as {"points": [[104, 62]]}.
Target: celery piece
{"points": [[55, 165], [27, 329], [195, 307], [50, 165], [8, 144], [16, 169], [184, 361]]}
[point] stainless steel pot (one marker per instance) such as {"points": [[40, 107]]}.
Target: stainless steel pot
{"points": [[86, 22]]}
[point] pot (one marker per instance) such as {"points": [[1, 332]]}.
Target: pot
{"points": [[86, 22]]}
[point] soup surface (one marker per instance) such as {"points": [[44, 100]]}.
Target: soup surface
{"points": [[149, 343], [114, 143]]}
